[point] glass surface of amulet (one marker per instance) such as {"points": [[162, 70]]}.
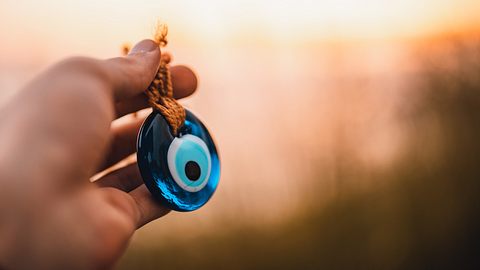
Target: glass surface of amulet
{"points": [[183, 171]]}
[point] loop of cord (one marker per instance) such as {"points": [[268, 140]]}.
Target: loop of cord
{"points": [[160, 90], [160, 97]]}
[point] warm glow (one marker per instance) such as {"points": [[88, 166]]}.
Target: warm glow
{"points": [[96, 26]]}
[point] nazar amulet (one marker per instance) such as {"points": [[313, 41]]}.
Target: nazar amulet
{"points": [[176, 154]]}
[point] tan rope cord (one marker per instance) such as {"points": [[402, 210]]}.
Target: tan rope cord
{"points": [[160, 90]]}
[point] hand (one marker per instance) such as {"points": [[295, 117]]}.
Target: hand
{"points": [[55, 135]]}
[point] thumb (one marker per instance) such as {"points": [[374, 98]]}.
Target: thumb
{"points": [[132, 74]]}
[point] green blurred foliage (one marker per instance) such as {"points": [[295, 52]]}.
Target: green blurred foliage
{"points": [[422, 213]]}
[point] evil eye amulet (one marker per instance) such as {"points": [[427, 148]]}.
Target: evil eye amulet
{"points": [[182, 172]]}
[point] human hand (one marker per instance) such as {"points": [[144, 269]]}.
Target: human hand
{"points": [[55, 135]]}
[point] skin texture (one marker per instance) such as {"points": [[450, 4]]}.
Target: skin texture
{"points": [[55, 134]]}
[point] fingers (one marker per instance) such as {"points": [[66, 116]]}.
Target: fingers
{"points": [[131, 105], [143, 208], [184, 84], [126, 179], [125, 77], [184, 81], [148, 208], [123, 143], [138, 205]]}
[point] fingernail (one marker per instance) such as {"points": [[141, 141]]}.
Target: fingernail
{"points": [[143, 46]]}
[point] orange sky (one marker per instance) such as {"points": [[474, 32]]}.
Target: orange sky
{"points": [[95, 27]]}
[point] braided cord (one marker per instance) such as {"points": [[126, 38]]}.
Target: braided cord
{"points": [[160, 97], [160, 90]]}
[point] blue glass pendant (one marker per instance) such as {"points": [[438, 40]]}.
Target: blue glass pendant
{"points": [[182, 172]]}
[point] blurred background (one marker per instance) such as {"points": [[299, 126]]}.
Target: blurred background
{"points": [[348, 130]]}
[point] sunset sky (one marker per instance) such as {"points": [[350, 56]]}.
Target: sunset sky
{"points": [[60, 27]]}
